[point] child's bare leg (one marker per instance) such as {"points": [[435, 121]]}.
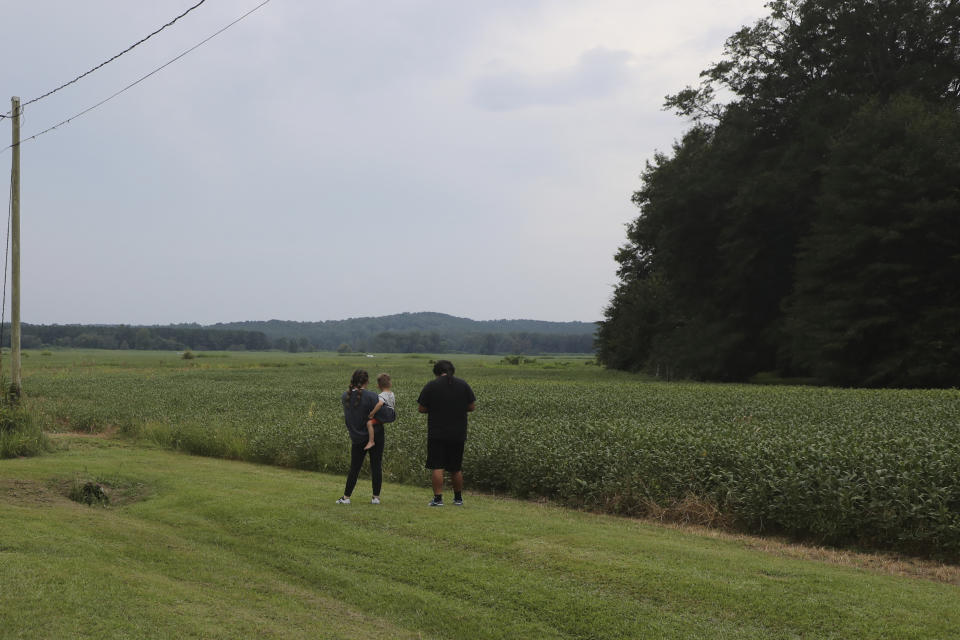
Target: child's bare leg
{"points": [[369, 431]]}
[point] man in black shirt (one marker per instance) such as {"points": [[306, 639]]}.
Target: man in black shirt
{"points": [[446, 401]]}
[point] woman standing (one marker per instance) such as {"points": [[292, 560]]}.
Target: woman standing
{"points": [[357, 405]]}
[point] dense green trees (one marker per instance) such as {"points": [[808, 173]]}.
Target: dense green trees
{"points": [[127, 337], [876, 299], [807, 225], [437, 333], [427, 332]]}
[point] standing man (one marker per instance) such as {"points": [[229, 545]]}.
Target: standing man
{"points": [[446, 401]]}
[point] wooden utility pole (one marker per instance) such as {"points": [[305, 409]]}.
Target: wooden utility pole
{"points": [[15, 249]]}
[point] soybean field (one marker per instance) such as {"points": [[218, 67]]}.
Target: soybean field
{"points": [[868, 468]]}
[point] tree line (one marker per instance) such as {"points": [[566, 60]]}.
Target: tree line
{"points": [[35, 336], [183, 338], [330, 334], [808, 225], [481, 343]]}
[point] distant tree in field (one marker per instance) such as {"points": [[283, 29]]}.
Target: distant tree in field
{"points": [[734, 264]]}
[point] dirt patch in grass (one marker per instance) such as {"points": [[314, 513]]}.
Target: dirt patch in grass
{"points": [[27, 493], [107, 492]]}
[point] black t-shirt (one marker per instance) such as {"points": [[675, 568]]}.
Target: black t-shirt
{"points": [[356, 417], [446, 399]]}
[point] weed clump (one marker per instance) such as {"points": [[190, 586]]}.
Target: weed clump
{"points": [[88, 493], [11, 419], [20, 435]]}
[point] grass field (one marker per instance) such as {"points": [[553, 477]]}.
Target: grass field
{"points": [[197, 547], [872, 468], [202, 547]]}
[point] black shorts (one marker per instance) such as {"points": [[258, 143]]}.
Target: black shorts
{"points": [[444, 454]]}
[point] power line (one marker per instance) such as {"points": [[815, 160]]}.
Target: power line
{"points": [[106, 62], [138, 81]]}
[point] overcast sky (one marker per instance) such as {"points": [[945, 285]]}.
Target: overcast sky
{"points": [[326, 159]]}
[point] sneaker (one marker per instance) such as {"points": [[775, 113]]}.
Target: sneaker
{"points": [[374, 500], [435, 503], [458, 502], [343, 500]]}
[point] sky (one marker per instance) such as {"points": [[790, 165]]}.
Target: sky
{"points": [[325, 159]]}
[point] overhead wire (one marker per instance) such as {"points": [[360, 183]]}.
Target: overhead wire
{"points": [[108, 61], [138, 81]]}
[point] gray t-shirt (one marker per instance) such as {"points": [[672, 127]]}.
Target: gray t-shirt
{"points": [[355, 413], [389, 399]]}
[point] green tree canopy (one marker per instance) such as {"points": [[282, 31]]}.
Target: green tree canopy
{"points": [[752, 249]]}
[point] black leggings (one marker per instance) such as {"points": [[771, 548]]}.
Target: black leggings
{"points": [[357, 454]]}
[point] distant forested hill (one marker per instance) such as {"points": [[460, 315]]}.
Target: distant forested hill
{"points": [[80, 336], [401, 333], [430, 332]]}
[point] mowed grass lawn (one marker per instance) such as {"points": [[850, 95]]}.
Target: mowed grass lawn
{"points": [[207, 548]]}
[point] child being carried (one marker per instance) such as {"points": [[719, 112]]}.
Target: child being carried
{"points": [[386, 407]]}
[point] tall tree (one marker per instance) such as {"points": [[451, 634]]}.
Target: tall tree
{"points": [[876, 299], [722, 218]]}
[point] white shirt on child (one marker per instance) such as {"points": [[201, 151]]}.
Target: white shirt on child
{"points": [[389, 399]]}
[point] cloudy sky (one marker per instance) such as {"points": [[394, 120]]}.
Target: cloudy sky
{"points": [[326, 159]]}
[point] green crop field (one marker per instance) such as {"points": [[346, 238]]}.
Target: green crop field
{"points": [[193, 547], [874, 468]]}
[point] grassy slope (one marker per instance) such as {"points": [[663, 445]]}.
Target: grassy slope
{"points": [[229, 549]]}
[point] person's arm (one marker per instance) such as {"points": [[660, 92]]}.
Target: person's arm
{"points": [[375, 408], [471, 399], [423, 402]]}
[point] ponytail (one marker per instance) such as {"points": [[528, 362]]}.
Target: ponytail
{"points": [[444, 367], [357, 380]]}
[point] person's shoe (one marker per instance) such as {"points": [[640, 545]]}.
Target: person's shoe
{"points": [[435, 503], [458, 502], [343, 500], [375, 500]]}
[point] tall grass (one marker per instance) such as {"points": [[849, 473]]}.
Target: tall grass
{"points": [[20, 434]]}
